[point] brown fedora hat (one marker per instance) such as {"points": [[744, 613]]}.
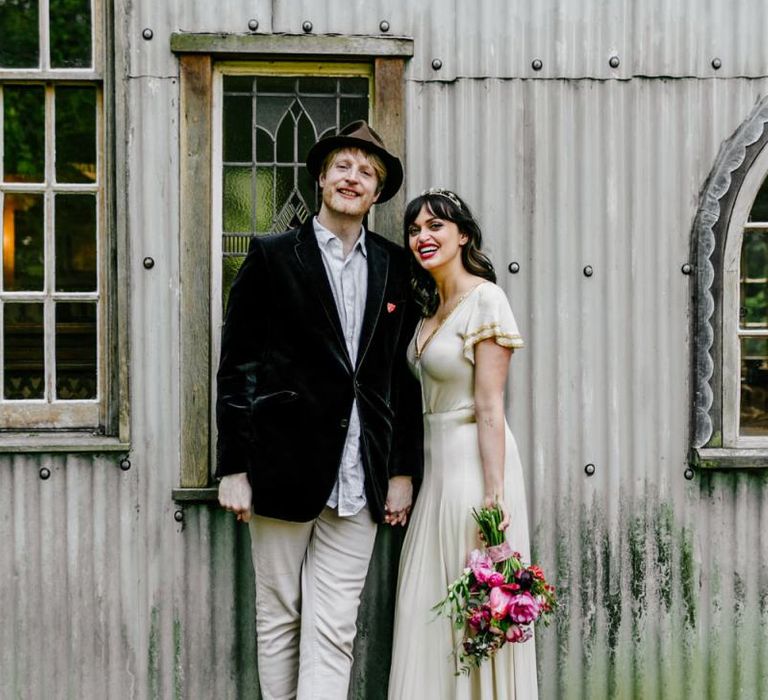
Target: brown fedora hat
{"points": [[358, 135]]}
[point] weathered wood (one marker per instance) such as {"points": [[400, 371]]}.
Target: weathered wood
{"points": [[195, 266], [729, 458], [20, 443], [191, 495], [389, 122], [291, 45]]}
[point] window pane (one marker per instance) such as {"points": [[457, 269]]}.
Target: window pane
{"points": [[352, 109], [23, 346], [20, 46], [75, 350], [315, 86], [276, 85], [230, 267], [75, 233], [355, 86], [754, 386], [238, 131], [24, 133], [265, 199], [23, 251], [238, 83], [70, 33], [265, 147], [285, 140], [237, 199], [760, 207], [754, 280], [76, 134]]}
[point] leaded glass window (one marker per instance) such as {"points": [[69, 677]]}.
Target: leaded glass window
{"points": [[753, 319], [268, 125], [52, 363]]}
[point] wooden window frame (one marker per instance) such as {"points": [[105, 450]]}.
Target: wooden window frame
{"points": [[61, 426], [198, 55]]}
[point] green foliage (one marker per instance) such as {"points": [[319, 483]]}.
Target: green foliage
{"points": [[19, 47]]}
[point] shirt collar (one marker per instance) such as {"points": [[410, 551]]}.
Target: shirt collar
{"points": [[324, 237]]}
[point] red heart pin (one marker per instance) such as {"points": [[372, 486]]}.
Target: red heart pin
{"points": [[390, 307]]}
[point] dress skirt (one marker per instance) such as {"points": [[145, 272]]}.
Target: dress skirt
{"points": [[440, 535]]}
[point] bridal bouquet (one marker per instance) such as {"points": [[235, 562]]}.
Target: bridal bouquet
{"points": [[497, 598]]}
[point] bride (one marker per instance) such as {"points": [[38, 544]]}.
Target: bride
{"points": [[460, 352]]}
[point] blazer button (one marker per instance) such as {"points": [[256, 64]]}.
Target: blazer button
{"points": [[344, 423]]}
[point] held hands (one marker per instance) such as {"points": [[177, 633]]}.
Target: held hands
{"points": [[235, 495], [399, 500]]}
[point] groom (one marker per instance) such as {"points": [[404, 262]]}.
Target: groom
{"points": [[318, 415]]}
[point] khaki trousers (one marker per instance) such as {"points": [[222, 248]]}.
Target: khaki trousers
{"points": [[309, 577]]}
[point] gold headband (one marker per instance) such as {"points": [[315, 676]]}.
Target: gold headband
{"points": [[440, 192]]}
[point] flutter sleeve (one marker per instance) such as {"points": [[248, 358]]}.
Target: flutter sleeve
{"points": [[490, 317]]}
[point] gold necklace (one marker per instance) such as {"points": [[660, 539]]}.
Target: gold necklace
{"points": [[440, 322]]}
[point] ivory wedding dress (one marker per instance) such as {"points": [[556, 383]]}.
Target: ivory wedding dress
{"points": [[442, 532]]}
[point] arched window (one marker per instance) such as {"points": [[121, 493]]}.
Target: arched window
{"points": [[730, 320], [745, 317]]}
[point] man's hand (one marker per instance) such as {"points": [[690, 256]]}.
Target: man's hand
{"points": [[399, 500], [236, 496]]}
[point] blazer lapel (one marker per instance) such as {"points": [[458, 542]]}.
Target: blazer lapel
{"points": [[310, 259], [378, 269]]}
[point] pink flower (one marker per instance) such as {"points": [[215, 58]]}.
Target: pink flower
{"points": [[495, 579], [500, 600], [481, 565], [515, 633], [476, 620], [523, 608]]}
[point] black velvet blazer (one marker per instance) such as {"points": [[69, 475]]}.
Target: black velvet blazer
{"points": [[286, 383]]}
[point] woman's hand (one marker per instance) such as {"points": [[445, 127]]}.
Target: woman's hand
{"points": [[399, 500], [494, 501]]}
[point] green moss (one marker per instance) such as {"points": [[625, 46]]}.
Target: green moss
{"points": [[178, 668], [663, 542], [153, 662], [688, 578], [588, 580], [638, 566]]}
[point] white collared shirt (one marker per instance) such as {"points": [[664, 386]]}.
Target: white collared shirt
{"points": [[348, 278]]}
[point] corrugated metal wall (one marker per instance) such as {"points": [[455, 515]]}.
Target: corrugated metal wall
{"points": [[664, 582]]}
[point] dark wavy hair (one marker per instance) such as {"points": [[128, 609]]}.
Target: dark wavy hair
{"points": [[474, 260]]}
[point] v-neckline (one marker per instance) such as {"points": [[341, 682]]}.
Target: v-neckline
{"points": [[428, 339]]}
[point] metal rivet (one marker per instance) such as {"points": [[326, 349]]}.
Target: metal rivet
{"points": [[178, 516], [125, 464], [687, 268], [148, 34], [437, 64], [588, 271], [537, 64], [384, 25], [514, 267], [716, 64], [614, 62], [589, 469], [253, 24], [149, 263], [45, 473], [307, 27], [688, 473]]}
